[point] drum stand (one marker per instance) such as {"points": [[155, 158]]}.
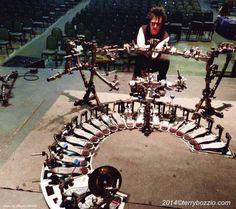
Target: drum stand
{"points": [[208, 92], [89, 84], [6, 87], [147, 129]]}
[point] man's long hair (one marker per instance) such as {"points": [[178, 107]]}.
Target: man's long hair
{"points": [[157, 12]]}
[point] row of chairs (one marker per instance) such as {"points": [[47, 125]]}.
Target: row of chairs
{"points": [[5, 41], [117, 25], [201, 25], [55, 51], [39, 11], [55, 46], [20, 21], [17, 33], [119, 20]]}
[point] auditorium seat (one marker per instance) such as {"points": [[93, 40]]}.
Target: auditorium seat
{"points": [[28, 28], [16, 33], [5, 40], [208, 26], [195, 27], [58, 34], [67, 27], [51, 49], [61, 52], [175, 24]]}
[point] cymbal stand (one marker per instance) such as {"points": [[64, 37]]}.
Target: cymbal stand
{"points": [[73, 64], [209, 92], [89, 84], [229, 56], [206, 92]]}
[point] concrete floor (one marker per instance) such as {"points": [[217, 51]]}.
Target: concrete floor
{"points": [[168, 170]]}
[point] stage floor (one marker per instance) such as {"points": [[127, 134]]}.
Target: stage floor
{"points": [[155, 169]]}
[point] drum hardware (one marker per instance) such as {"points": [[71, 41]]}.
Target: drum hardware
{"points": [[180, 83], [222, 72], [220, 131], [59, 136], [56, 150], [211, 71], [186, 112], [50, 161], [7, 85], [94, 111], [59, 158], [119, 106], [146, 128], [72, 55], [198, 120], [68, 129], [111, 52], [194, 53], [55, 179], [164, 109], [104, 193], [106, 108], [215, 146], [84, 116], [76, 124], [170, 115], [172, 110], [148, 88], [210, 124], [73, 201], [160, 106], [225, 149], [105, 182], [74, 121], [123, 104], [131, 104], [64, 184], [145, 88]]}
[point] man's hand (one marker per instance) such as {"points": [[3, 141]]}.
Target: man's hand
{"points": [[153, 42]]}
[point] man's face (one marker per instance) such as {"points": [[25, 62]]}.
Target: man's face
{"points": [[155, 25]]}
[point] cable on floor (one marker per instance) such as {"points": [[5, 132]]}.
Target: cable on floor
{"points": [[31, 75]]}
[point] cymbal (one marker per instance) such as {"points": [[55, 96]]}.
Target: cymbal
{"points": [[104, 180]]}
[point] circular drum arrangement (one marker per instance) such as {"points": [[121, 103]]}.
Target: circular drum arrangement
{"points": [[68, 179]]}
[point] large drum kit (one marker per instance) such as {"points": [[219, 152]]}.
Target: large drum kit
{"points": [[68, 179]]}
